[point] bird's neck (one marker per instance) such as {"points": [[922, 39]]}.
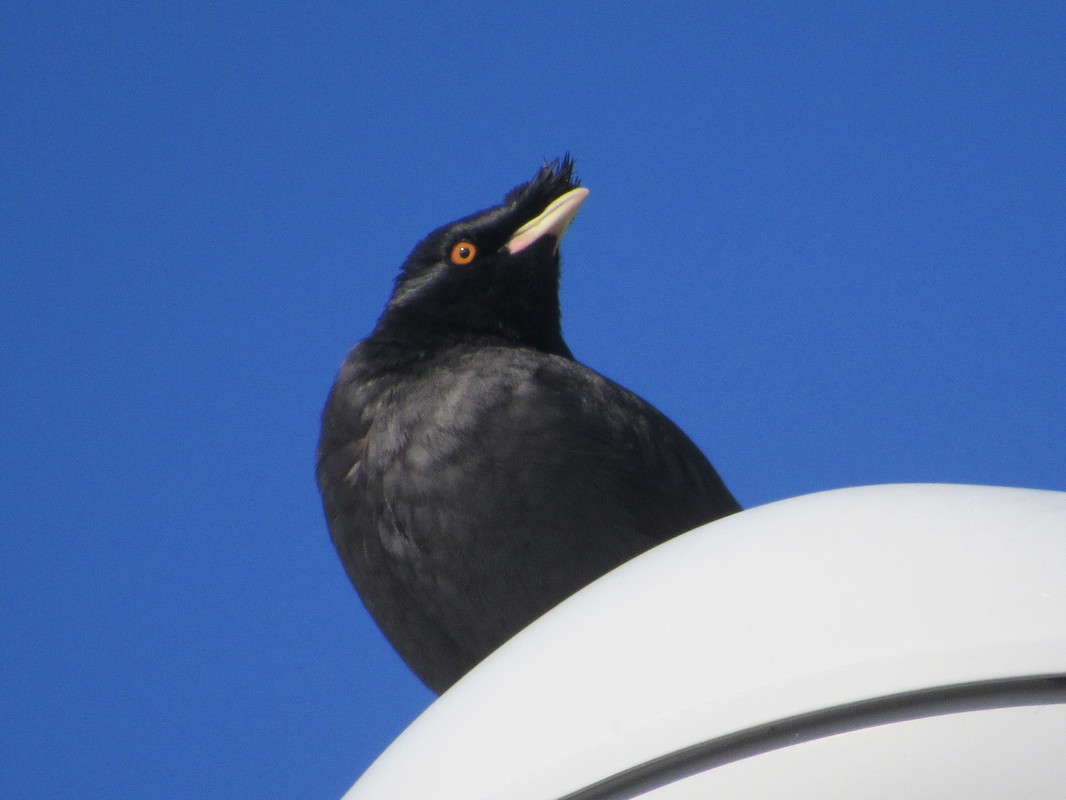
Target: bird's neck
{"points": [[422, 332], [411, 343]]}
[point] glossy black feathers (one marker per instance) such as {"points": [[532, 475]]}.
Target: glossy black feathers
{"points": [[474, 474]]}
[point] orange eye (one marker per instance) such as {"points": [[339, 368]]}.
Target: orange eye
{"points": [[464, 252]]}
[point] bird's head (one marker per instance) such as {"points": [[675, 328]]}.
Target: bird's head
{"points": [[491, 274]]}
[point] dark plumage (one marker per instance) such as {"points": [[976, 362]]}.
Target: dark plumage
{"points": [[473, 473]]}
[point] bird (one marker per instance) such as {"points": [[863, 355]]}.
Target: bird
{"points": [[473, 473]]}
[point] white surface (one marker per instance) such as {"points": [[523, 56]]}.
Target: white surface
{"points": [[1003, 754], [784, 609]]}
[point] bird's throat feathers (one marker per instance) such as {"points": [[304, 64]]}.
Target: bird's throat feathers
{"points": [[527, 314]]}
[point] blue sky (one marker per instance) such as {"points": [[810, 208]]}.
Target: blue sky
{"points": [[827, 239]]}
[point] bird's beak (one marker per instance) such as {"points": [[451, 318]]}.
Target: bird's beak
{"points": [[553, 221]]}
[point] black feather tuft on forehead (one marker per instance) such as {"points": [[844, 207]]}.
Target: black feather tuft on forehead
{"points": [[553, 180]]}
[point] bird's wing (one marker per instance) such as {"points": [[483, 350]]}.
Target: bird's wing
{"points": [[478, 493], [504, 452]]}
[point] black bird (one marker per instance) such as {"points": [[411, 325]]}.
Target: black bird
{"points": [[473, 473]]}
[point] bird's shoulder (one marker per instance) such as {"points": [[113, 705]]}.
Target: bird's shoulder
{"points": [[465, 418], [491, 388], [493, 402]]}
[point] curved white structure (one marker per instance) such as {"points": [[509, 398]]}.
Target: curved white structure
{"points": [[902, 641]]}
